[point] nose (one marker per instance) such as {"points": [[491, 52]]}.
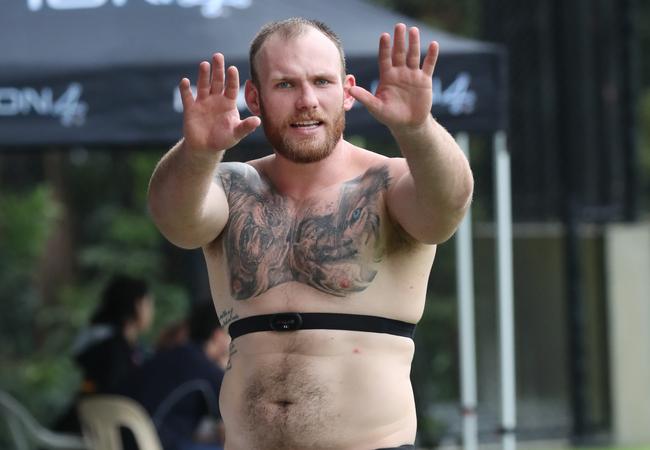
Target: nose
{"points": [[307, 98]]}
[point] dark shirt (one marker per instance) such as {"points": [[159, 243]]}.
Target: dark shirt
{"points": [[178, 387], [105, 359], [107, 363]]}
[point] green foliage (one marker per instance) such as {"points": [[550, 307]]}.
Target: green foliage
{"points": [[105, 197], [121, 237], [435, 366], [127, 242], [24, 224], [26, 218], [28, 366]]}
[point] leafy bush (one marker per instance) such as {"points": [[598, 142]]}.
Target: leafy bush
{"points": [[110, 233]]}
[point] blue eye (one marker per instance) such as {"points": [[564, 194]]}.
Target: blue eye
{"points": [[355, 215], [283, 84], [322, 82]]}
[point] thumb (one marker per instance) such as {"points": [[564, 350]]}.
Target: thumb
{"points": [[246, 127], [372, 103]]}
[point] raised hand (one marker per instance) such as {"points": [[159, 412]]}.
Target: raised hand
{"points": [[211, 122], [404, 95]]}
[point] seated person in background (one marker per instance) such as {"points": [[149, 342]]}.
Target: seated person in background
{"points": [[108, 349], [172, 335], [179, 386]]}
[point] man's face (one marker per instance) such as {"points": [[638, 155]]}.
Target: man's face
{"points": [[302, 98]]}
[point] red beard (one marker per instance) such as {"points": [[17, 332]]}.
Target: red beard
{"points": [[308, 149]]}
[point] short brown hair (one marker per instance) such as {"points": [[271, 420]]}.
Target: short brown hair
{"points": [[290, 28]]}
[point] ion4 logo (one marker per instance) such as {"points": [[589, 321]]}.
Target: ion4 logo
{"points": [[209, 8], [68, 107], [458, 98], [178, 103]]}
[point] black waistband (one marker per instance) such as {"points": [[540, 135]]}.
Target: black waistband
{"points": [[284, 322]]}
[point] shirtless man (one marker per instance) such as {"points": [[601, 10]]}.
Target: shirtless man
{"points": [[319, 254]]}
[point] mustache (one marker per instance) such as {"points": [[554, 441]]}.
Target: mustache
{"points": [[315, 117]]}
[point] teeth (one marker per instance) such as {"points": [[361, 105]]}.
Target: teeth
{"points": [[306, 124]]}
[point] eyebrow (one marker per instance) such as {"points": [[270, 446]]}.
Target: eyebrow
{"points": [[320, 75]]}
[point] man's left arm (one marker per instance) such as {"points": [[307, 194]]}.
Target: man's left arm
{"points": [[431, 198], [432, 194]]}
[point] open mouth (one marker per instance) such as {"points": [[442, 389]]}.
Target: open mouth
{"points": [[306, 124]]}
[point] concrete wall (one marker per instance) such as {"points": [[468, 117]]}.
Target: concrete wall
{"points": [[628, 275]]}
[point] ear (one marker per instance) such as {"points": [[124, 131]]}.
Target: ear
{"points": [[348, 100], [252, 97]]}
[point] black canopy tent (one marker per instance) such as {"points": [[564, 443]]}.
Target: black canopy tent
{"points": [[104, 72]]}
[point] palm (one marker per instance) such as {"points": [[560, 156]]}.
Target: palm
{"points": [[405, 97], [211, 121], [404, 94]]}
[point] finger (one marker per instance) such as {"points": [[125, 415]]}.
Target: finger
{"points": [[246, 127], [232, 83], [185, 90], [203, 83], [399, 45], [217, 74], [413, 55], [385, 61], [372, 103], [429, 63]]}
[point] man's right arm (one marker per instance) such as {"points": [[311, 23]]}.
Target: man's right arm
{"points": [[186, 201]]}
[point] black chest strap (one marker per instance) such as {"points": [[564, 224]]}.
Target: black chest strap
{"points": [[292, 321]]}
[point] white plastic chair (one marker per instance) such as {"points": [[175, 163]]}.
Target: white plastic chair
{"points": [[179, 393], [28, 434], [102, 416]]}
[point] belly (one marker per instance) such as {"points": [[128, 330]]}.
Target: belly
{"points": [[323, 390]]}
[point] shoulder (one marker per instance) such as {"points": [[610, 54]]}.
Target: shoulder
{"points": [[372, 163], [236, 175], [384, 172], [254, 166], [369, 157], [230, 169]]}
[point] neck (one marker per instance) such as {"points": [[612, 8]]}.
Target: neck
{"points": [[299, 180]]}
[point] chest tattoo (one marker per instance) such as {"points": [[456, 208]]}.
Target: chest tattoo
{"points": [[333, 248]]}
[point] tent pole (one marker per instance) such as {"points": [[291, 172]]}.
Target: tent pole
{"points": [[505, 289], [465, 290]]}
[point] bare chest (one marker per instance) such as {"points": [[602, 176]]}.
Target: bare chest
{"points": [[332, 242]]}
